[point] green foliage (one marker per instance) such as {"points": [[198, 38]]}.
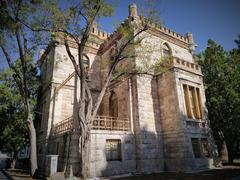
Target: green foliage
{"points": [[221, 79], [147, 9], [70, 17], [13, 129]]}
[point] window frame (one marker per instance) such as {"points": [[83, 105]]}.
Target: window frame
{"points": [[196, 150], [192, 101], [110, 151]]}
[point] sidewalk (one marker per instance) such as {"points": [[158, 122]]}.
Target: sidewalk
{"points": [[17, 174], [2, 176], [224, 173]]}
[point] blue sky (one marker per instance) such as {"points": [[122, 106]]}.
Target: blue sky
{"points": [[215, 19]]}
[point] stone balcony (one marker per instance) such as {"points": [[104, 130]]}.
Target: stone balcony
{"points": [[99, 123]]}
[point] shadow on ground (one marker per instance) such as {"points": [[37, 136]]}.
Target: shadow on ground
{"points": [[231, 173]]}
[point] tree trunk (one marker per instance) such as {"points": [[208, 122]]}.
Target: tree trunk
{"points": [[13, 162], [85, 159], [230, 152], [73, 165], [33, 145]]}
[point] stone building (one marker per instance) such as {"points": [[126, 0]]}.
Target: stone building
{"points": [[147, 123]]}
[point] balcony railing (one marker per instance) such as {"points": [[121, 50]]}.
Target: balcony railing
{"points": [[99, 123], [111, 123], [63, 126]]}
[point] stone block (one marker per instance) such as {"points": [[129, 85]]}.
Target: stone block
{"points": [[51, 165]]}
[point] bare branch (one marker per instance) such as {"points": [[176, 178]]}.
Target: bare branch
{"points": [[25, 43], [71, 57], [49, 30], [18, 9], [24, 67], [50, 46], [85, 18], [125, 57]]}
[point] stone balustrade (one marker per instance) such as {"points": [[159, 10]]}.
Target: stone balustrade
{"points": [[111, 123], [99, 123], [63, 126]]}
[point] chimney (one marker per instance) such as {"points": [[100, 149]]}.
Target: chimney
{"points": [[132, 10]]}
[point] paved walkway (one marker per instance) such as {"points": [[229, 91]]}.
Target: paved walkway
{"points": [[2, 176], [232, 173]]}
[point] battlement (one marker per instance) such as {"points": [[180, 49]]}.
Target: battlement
{"points": [[187, 66], [166, 30], [100, 34], [184, 41]]}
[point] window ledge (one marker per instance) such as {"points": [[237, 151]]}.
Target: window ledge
{"points": [[195, 123], [195, 120]]}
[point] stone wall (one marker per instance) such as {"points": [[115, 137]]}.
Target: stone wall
{"points": [[151, 47], [99, 166], [176, 127], [121, 90], [146, 124], [193, 128], [175, 145]]}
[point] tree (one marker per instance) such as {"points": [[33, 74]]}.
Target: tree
{"points": [[73, 24], [13, 130], [18, 45], [221, 80]]}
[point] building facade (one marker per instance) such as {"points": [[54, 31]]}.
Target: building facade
{"points": [[147, 123]]}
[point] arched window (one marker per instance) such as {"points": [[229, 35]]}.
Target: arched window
{"points": [[113, 105], [166, 50], [86, 62]]}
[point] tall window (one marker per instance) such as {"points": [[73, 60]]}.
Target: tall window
{"points": [[192, 102], [196, 147], [166, 50], [113, 150], [113, 105]]}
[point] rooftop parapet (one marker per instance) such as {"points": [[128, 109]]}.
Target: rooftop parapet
{"points": [[101, 34], [187, 66], [184, 41], [167, 31]]}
